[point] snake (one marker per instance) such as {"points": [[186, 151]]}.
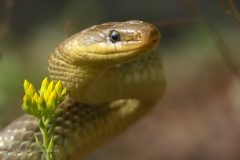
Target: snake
{"points": [[114, 76]]}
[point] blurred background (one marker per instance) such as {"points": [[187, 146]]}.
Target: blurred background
{"points": [[198, 117]]}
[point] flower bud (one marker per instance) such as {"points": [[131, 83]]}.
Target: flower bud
{"points": [[51, 96], [46, 95], [27, 104], [26, 84], [59, 88], [42, 104], [52, 101], [31, 91], [44, 85], [51, 86], [35, 109], [64, 93]]}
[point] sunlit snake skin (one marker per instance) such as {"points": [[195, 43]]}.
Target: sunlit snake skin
{"points": [[111, 85]]}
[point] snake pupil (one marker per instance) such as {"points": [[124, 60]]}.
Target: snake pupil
{"points": [[114, 36]]}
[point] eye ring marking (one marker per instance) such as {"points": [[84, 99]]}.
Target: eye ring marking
{"points": [[114, 36]]}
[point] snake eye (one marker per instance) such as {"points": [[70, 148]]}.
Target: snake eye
{"points": [[114, 36]]}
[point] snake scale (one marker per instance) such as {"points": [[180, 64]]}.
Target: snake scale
{"points": [[113, 76]]}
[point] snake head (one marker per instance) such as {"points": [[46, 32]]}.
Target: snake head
{"points": [[111, 42], [81, 58], [119, 41]]}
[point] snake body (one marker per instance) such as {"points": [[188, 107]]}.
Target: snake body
{"points": [[114, 77]]}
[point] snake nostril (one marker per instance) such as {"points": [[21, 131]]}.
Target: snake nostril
{"points": [[139, 36]]}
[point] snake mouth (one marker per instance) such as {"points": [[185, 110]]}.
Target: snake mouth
{"points": [[149, 46], [151, 43], [124, 55], [155, 41]]}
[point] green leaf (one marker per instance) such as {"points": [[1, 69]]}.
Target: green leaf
{"points": [[50, 146], [56, 155], [57, 114], [41, 125], [51, 129], [40, 145], [26, 109]]}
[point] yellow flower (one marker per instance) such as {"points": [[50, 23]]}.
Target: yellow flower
{"points": [[43, 105], [46, 103]]}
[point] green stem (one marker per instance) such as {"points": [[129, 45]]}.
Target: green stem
{"points": [[46, 143]]}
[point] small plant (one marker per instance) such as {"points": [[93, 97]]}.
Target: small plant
{"points": [[42, 105]]}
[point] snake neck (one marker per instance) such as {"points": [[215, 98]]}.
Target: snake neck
{"points": [[75, 77], [140, 78]]}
